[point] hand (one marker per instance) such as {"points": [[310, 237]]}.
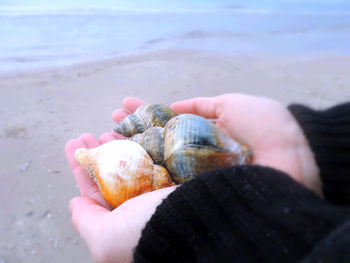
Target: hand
{"points": [[266, 127], [110, 235]]}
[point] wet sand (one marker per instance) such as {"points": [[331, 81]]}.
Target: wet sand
{"points": [[42, 110]]}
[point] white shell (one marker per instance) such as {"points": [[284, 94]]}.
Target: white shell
{"points": [[122, 169]]}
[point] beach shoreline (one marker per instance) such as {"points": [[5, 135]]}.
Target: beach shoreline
{"points": [[37, 40], [43, 109]]}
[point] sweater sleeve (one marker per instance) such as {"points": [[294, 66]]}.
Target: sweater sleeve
{"points": [[334, 248], [328, 133], [240, 214]]}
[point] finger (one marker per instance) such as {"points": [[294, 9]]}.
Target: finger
{"points": [[86, 213], [119, 114], [153, 198], [132, 103], [89, 139], [209, 108], [118, 136], [106, 137]]}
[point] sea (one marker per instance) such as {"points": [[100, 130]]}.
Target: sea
{"points": [[38, 34]]}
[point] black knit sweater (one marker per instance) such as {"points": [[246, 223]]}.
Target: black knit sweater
{"points": [[258, 214], [328, 133]]}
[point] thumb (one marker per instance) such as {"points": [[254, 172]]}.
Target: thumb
{"points": [[86, 212], [209, 108]]}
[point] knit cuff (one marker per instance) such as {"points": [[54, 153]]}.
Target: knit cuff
{"points": [[328, 133], [244, 213]]}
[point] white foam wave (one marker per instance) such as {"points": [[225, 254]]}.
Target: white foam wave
{"points": [[37, 11], [41, 11]]}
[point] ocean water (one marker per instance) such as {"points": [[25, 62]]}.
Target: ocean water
{"points": [[42, 33]]}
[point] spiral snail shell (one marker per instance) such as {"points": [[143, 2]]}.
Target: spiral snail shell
{"points": [[122, 169], [194, 145], [152, 140], [146, 116]]}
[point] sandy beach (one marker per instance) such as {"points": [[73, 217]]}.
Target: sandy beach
{"points": [[41, 110]]}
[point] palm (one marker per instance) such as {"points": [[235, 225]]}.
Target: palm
{"points": [[110, 235], [266, 127]]}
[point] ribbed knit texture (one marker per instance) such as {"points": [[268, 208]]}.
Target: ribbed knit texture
{"points": [[334, 248], [239, 214], [328, 133]]}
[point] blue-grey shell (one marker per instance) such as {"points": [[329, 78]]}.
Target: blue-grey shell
{"points": [[145, 117], [194, 145], [187, 146], [152, 140]]}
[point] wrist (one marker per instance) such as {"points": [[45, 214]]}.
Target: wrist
{"points": [[309, 170]]}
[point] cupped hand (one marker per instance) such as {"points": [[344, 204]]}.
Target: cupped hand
{"points": [[111, 235], [266, 127]]}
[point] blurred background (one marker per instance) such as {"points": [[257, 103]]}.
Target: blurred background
{"points": [[40, 33], [66, 65]]}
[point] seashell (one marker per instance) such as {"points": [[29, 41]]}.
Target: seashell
{"points": [[122, 169], [146, 116], [152, 140], [194, 145]]}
